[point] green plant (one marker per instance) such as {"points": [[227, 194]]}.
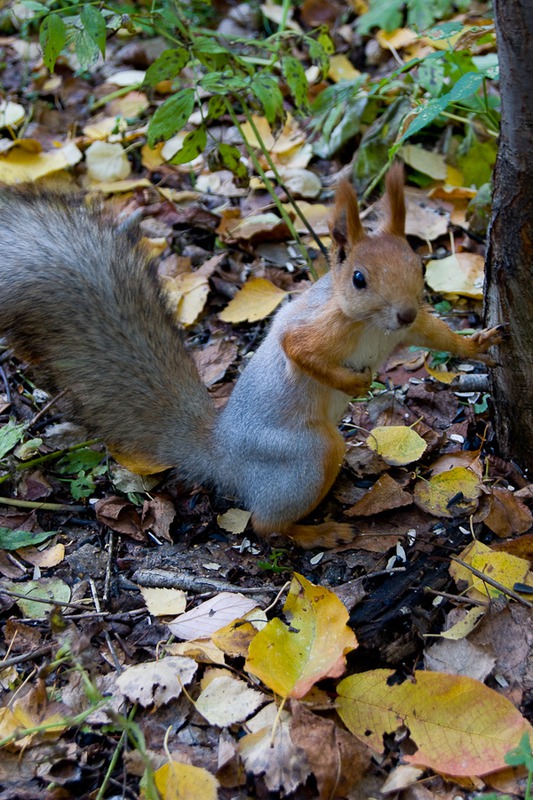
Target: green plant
{"points": [[521, 756]]}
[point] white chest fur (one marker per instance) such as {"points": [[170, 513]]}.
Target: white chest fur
{"points": [[373, 347]]}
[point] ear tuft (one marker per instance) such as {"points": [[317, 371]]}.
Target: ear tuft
{"points": [[345, 226], [395, 200]]}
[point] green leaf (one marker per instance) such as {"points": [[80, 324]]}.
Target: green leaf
{"points": [[294, 74], [216, 107], [318, 54], [465, 87], [83, 459], [167, 66], [12, 540], [94, 25], [230, 158], [193, 145], [86, 49], [267, 91], [10, 435], [224, 83], [52, 37], [171, 116]]}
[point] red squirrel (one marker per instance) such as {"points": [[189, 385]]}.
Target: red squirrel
{"points": [[81, 300]]}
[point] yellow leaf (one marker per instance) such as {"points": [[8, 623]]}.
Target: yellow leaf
{"points": [[466, 625], [107, 161], [449, 493], [441, 372], [342, 69], [186, 295], [501, 567], [460, 726], [401, 37], [11, 114], [120, 187], [176, 781], [461, 274], [289, 659], [256, 300], [396, 444], [21, 164], [162, 602]]}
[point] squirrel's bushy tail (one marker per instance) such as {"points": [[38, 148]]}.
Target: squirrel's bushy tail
{"points": [[79, 298]]}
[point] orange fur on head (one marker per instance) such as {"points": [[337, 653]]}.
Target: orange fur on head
{"points": [[345, 224]]}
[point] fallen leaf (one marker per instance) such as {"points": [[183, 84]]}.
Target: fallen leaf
{"points": [[459, 657], [256, 300], [235, 520], [13, 540], [425, 161], [227, 700], [164, 602], [121, 516], [49, 557], [385, 494], [11, 114], [289, 659], [203, 651], [341, 68], [507, 514], [501, 567], [211, 615], [461, 273], [126, 77], [337, 759], [51, 589], [21, 165], [465, 625], [156, 682], [107, 161], [449, 494], [186, 295], [269, 750], [460, 726], [177, 781], [396, 444]]}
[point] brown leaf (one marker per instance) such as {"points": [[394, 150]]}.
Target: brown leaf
{"points": [[214, 359], [521, 547], [336, 758], [384, 495], [120, 516], [507, 514], [158, 515]]}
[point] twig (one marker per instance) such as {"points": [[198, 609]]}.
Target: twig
{"points": [[107, 637], [46, 407], [14, 660], [456, 598], [501, 588], [13, 501]]}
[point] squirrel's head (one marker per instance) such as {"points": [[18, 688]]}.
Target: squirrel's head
{"points": [[376, 277]]}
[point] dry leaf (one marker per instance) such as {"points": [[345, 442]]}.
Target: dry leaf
{"points": [[107, 162], [460, 726], [256, 300], [211, 615], [21, 164], [186, 295], [156, 682], [461, 273], [289, 659], [425, 161], [164, 602], [235, 520], [11, 114], [384, 495], [227, 700], [341, 68], [507, 514]]}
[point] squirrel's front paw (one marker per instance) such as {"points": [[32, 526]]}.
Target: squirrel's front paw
{"points": [[485, 339], [361, 382]]}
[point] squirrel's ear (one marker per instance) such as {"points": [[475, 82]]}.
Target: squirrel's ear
{"points": [[395, 201], [345, 226]]}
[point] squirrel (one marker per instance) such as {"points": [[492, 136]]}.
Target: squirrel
{"points": [[80, 299]]}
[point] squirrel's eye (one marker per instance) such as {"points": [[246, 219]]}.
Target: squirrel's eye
{"points": [[359, 280]]}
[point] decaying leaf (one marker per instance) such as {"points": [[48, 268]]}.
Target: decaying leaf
{"points": [[235, 520], [186, 295], [289, 659], [164, 602], [227, 700], [461, 273], [460, 726], [156, 682], [385, 494], [211, 615]]}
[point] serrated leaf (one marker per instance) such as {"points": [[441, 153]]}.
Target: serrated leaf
{"points": [[290, 659], [94, 24], [193, 146], [167, 66], [52, 37], [294, 74], [13, 540], [396, 444], [269, 95], [10, 435], [460, 726], [171, 116]]}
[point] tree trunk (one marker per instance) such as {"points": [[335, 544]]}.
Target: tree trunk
{"points": [[509, 269]]}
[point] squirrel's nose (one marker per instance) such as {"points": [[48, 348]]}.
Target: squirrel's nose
{"points": [[406, 315]]}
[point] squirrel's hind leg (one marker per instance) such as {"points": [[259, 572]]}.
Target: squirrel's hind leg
{"points": [[277, 519]]}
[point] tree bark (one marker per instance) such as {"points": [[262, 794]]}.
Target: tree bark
{"points": [[509, 268]]}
